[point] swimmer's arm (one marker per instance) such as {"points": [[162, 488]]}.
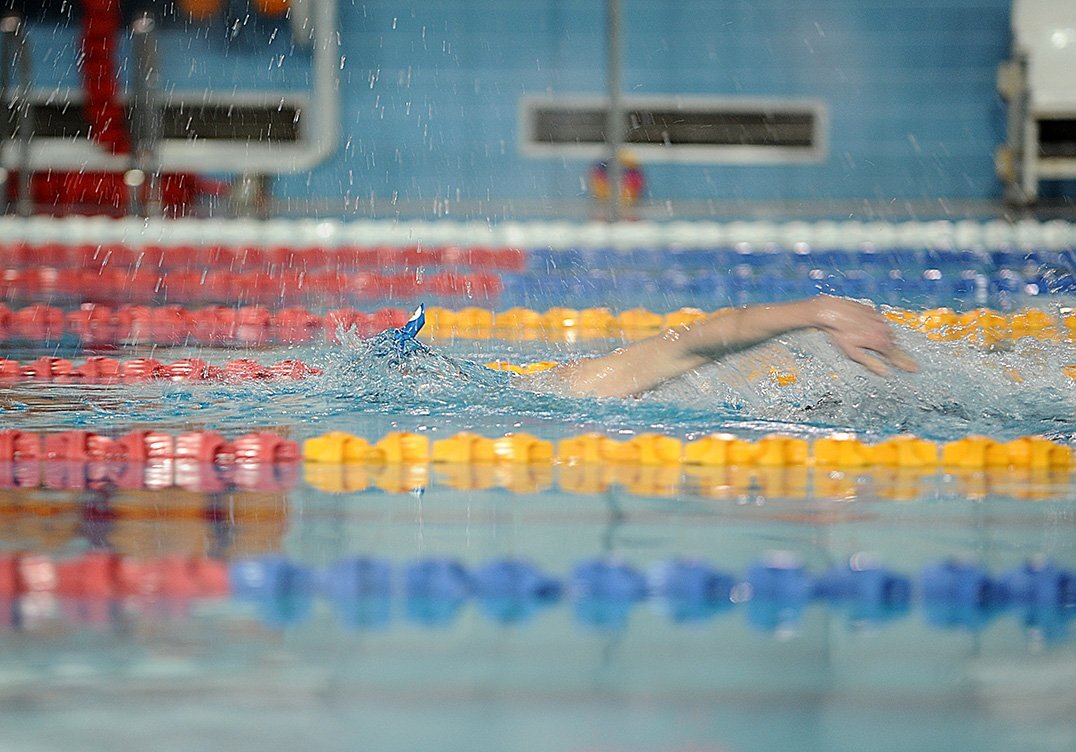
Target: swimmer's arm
{"points": [[857, 330]]}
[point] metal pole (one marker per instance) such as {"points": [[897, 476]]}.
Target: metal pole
{"points": [[26, 121], [145, 162], [15, 59], [7, 61], [614, 127]]}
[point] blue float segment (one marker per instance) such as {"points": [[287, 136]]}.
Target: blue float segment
{"points": [[511, 578], [962, 595], [269, 577], [604, 592], [436, 591], [283, 590], [1046, 597], [437, 579], [601, 579], [357, 578], [779, 581], [689, 590], [512, 591], [1040, 585], [689, 580], [780, 591], [956, 582], [869, 586], [871, 593]]}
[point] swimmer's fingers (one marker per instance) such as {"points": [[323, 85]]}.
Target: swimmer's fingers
{"points": [[884, 344], [864, 357], [878, 338], [868, 358], [902, 360]]}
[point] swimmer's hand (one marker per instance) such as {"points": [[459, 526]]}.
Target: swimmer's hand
{"points": [[860, 332]]}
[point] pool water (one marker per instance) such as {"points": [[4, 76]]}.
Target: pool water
{"points": [[587, 665], [249, 675]]}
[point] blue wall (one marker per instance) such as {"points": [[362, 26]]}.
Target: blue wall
{"points": [[910, 87], [431, 88]]}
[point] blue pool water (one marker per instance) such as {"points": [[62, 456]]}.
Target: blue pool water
{"points": [[302, 669]]}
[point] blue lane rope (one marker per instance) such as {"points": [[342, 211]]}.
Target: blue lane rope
{"points": [[952, 594]]}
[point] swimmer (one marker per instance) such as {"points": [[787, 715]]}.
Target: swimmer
{"points": [[857, 330]]}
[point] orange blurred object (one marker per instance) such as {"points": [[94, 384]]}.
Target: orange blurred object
{"points": [[201, 9], [271, 7]]}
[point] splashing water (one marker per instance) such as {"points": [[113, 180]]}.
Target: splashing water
{"points": [[381, 383], [960, 389]]}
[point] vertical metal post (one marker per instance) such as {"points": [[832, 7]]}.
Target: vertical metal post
{"points": [[26, 123], [15, 58], [614, 127], [8, 24], [145, 121]]}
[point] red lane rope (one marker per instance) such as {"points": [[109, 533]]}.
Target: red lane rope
{"points": [[108, 475], [100, 324], [106, 575], [110, 370], [145, 286], [146, 445], [257, 258]]}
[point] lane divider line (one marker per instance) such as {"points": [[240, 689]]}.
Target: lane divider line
{"points": [[773, 591], [251, 323]]}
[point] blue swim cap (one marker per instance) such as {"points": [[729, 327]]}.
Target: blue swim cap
{"points": [[413, 325], [397, 344]]}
